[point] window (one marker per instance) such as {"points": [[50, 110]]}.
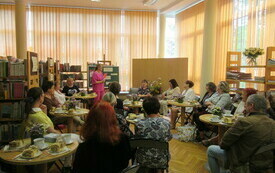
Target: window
{"points": [[170, 37]]}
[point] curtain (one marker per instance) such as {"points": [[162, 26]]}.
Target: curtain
{"points": [[7, 30], [140, 39], [190, 24]]}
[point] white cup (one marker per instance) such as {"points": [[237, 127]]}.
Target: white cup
{"points": [[58, 110], [39, 142], [67, 138], [227, 112]]}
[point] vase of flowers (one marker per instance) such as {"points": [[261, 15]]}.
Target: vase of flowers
{"points": [[217, 111], [180, 98], [71, 104], [252, 54], [155, 87], [36, 131]]}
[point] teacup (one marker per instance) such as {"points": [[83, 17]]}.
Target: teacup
{"points": [[67, 138], [227, 112], [39, 142], [58, 110]]}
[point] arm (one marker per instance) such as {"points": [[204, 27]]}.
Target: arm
{"points": [[224, 100], [96, 79], [52, 130]]}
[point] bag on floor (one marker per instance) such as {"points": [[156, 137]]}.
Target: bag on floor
{"points": [[186, 133]]}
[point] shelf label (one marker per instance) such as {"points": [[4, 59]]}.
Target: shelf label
{"points": [[108, 69]]}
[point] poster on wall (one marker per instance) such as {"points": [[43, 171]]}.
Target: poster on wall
{"points": [[34, 64]]}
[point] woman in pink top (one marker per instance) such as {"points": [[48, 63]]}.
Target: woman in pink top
{"points": [[98, 80]]}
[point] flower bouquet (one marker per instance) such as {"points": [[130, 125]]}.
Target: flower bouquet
{"points": [[180, 98], [155, 87], [36, 131], [252, 54], [71, 104], [217, 111]]}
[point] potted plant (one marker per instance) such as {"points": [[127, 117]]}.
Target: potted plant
{"points": [[155, 87], [217, 111], [252, 54], [180, 98], [36, 131]]}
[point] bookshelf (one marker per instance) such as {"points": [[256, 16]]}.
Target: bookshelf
{"points": [[234, 64], [73, 71], [13, 89]]}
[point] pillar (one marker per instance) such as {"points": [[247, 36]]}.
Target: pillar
{"points": [[209, 43], [162, 26], [21, 29]]}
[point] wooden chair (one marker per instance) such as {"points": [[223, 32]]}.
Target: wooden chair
{"points": [[149, 143]]}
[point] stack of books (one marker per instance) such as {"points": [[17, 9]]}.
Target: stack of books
{"points": [[259, 78], [271, 62], [4, 68], [17, 69], [12, 89], [14, 110], [238, 75], [65, 67]]}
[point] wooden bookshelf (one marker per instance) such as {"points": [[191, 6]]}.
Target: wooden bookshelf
{"points": [[270, 69], [57, 70], [9, 119]]}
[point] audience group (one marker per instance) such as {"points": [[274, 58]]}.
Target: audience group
{"points": [[105, 134]]}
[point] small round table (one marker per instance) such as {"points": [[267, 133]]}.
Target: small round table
{"points": [[69, 116], [183, 106], [40, 162], [222, 127], [135, 107], [85, 98]]}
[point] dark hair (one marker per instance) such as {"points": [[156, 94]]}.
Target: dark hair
{"points": [[144, 81], [47, 85], [190, 83], [32, 95], [212, 87], [96, 68], [115, 88], [174, 83], [151, 105], [102, 123]]}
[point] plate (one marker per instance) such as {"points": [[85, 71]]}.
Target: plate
{"points": [[65, 149], [43, 147], [214, 120], [8, 149], [69, 142], [36, 155]]}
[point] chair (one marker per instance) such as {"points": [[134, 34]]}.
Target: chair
{"points": [[149, 143], [131, 169], [133, 91]]}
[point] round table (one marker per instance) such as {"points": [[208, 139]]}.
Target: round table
{"points": [[40, 162], [183, 106], [222, 127], [86, 97], [135, 107], [69, 116]]}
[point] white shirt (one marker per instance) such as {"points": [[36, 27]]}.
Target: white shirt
{"points": [[189, 95], [60, 97], [171, 93], [240, 108]]}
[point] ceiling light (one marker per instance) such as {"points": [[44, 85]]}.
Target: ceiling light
{"points": [[149, 2], [95, 0]]}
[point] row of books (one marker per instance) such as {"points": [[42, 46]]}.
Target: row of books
{"points": [[67, 68], [12, 69], [12, 89], [238, 75], [9, 132], [74, 76], [13, 110]]}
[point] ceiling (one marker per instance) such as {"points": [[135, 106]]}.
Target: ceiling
{"points": [[112, 4]]}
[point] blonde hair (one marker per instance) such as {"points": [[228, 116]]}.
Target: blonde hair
{"points": [[224, 86]]}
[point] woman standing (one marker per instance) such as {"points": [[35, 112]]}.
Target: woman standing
{"points": [[98, 80]]}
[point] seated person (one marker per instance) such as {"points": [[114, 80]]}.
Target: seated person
{"points": [[210, 90], [36, 111], [143, 90], [189, 95], [115, 88], [124, 127], [270, 105], [220, 99], [241, 140], [49, 100], [171, 93], [105, 147], [240, 110], [156, 128], [59, 96], [70, 89]]}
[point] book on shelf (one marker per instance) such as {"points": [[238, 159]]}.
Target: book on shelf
{"points": [[17, 69], [13, 110], [259, 78], [238, 75], [12, 89], [75, 68], [3, 68], [43, 67], [74, 76], [9, 132]]}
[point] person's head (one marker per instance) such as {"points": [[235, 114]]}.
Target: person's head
{"points": [[211, 87], [256, 103], [247, 92], [223, 87], [70, 82], [173, 83], [115, 88], [98, 67], [144, 83], [110, 98], [151, 105], [188, 84], [57, 86], [101, 122], [48, 87], [35, 96]]}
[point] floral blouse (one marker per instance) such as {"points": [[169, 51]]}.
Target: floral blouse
{"points": [[123, 125], [157, 129], [143, 91]]}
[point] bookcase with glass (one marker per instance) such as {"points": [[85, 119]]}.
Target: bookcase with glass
{"points": [[74, 72], [16, 76], [261, 77]]}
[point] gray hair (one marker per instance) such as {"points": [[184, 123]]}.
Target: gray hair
{"points": [[259, 102], [110, 97]]}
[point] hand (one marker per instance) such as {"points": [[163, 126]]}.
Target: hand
{"points": [[43, 108], [208, 103]]}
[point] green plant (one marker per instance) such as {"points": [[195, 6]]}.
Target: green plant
{"points": [[155, 87]]}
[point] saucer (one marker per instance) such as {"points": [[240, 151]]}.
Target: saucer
{"points": [[69, 142], [44, 146]]}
